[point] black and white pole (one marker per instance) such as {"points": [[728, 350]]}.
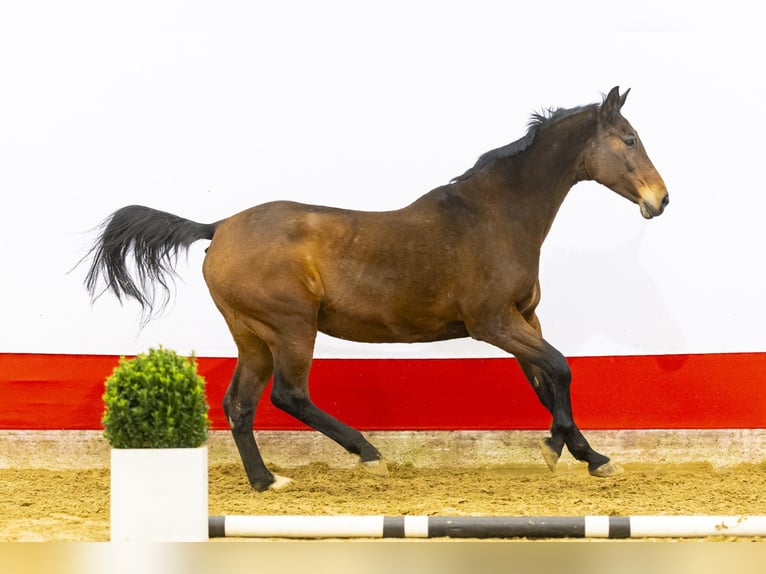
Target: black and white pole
{"points": [[352, 526]]}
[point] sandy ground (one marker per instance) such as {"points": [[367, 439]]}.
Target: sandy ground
{"points": [[73, 504]]}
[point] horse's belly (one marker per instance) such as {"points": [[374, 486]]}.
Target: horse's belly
{"points": [[377, 330]]}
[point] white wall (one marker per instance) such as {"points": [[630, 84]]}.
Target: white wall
{"points": [[204, 109]]}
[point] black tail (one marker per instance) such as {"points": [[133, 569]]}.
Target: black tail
{"points": [[155, 239]]}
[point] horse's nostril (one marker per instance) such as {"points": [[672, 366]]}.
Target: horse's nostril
{"points": [[665, 200]]}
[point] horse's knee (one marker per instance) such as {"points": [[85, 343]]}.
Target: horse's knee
{"points": [[560, 377], [287, 398], [560, 373], [554, 378], [239, 414]]}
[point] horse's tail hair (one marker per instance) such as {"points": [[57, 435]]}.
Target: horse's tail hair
{"points": [[154, 238]]}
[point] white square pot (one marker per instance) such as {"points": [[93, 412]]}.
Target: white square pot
{"points": [[159, 495]]}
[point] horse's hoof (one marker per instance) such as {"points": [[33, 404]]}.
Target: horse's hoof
{"points": [[605, 470], [377, 468], [279, 482], [551, 456]]}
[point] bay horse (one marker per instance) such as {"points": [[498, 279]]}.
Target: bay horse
{"points": [[460, 261]]}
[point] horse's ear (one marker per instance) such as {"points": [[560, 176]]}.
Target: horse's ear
{"points": [[613, 103], [624, 97]]}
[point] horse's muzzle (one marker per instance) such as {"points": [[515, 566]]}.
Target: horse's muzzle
{"points": [[649, 210]]}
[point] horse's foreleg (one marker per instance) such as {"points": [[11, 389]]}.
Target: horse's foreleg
{"points": [[290, 393], [551, 378], [239, 404], [552, 446], [564, 426], [552, 385]]}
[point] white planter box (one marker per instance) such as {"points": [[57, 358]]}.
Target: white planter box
{"points": [[159, 495]]}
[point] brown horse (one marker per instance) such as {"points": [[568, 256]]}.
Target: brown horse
{"points": [[461, 261]]}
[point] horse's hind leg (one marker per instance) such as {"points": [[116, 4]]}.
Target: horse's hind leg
{"points": [[250, 377], [292, 362]]}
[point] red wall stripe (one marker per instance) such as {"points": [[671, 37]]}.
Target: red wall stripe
{"points": [[42, 391]]}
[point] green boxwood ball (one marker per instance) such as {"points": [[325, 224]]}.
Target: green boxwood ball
{"points": [[155, 400]]}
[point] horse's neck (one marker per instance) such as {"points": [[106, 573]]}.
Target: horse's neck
{"points": [[525, 191], [534, 184], [525, 200]]}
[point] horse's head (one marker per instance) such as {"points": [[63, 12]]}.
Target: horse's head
{"points": [[617, 159]]}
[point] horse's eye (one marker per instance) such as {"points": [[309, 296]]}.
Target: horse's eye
{"points": [[630, 141]]}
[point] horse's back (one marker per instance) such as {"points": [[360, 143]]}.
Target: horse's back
{"points": [[373, 276]]}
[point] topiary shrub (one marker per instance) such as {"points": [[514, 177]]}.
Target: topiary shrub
{"points": [[155, 400]]}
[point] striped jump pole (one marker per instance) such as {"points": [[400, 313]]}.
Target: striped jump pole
{"points": [[352, 526]]}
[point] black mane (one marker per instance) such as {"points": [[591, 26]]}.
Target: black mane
{"points": [[537, 121]]}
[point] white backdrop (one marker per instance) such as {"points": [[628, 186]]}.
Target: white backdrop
{"points": [[207, 108]]}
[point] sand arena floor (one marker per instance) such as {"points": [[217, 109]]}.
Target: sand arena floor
{"points": [[72, 504]]}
